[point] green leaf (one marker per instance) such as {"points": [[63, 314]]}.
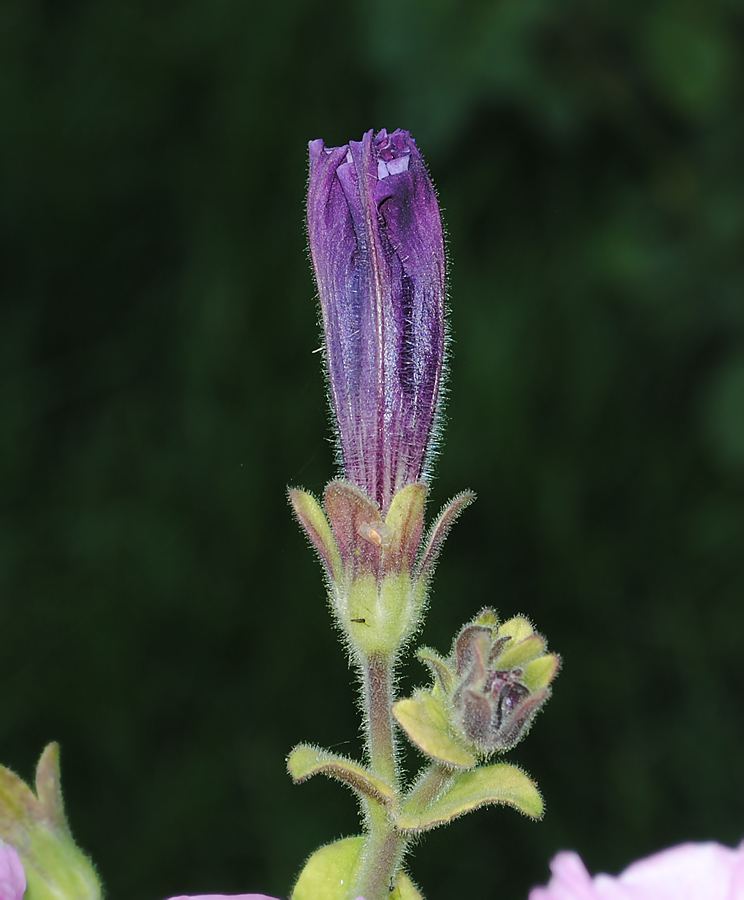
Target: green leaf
{"points": [[331, 871], [500, 783], [305, 761], [424, 720]]}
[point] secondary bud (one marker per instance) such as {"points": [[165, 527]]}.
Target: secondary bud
{"points": [[486, 692], [503, 676]]}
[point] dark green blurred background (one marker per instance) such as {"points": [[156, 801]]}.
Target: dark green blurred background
{"points": [[162, 616]]}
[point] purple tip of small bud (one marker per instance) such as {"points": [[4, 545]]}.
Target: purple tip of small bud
{"points": [[377, 247]]}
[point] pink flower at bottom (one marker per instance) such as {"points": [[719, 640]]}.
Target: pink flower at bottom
{"points": [[688, 872], [12, 876]]}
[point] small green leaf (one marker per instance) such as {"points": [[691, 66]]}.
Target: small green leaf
{"points": [[305, 761], [500, 783], [404, 889], [424, 720], [331, 872]]}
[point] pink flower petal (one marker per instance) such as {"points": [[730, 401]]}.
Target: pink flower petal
{"points": [[688, 872], [570, 880], [12, 876]]}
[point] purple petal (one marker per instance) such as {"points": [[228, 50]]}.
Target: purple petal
{"points": [[378, 250], [12, 876]]}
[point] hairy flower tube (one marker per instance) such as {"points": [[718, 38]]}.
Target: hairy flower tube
{"points": [[705, 871], [377, 248]]}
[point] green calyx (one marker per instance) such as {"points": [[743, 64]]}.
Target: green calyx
{"points": [[378, 569], [36, 827]]}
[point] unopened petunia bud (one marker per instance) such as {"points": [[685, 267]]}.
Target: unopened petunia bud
{"points": [[377, 247], [485, 693], [503, 679], [378, 251]]}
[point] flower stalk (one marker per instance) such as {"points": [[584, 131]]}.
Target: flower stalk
{"points": [[377, 247]]}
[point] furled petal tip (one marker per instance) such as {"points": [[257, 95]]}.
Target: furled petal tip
{"points": [[377, 248], [12, 876], [706, 871]]}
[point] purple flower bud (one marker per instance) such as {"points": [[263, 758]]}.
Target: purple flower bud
{"points": [[378, 251]]}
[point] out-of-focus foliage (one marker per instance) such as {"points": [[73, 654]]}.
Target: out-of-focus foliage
{"points": [[160, 614]]}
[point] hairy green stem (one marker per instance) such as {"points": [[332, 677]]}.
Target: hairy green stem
{"points": [[384, 846], [430, 784], [378, 703]]}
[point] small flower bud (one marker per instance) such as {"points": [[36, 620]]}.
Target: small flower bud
{"points": [[486, 692], [492, 703]]}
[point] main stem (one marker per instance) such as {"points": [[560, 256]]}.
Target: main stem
{"points": [[378, 705], [383, 849]]}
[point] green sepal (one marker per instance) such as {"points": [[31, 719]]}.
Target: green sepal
{"points": [[405, 524], [314, 521], [36, 827], [331, 872], [517, 628], [438, 534], [500, 783], [439, 669], [540, 672], [305, 761], [518, 654], [425, 721]]}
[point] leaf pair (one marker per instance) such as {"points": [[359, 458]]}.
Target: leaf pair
{"points": [[462, 790]]}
